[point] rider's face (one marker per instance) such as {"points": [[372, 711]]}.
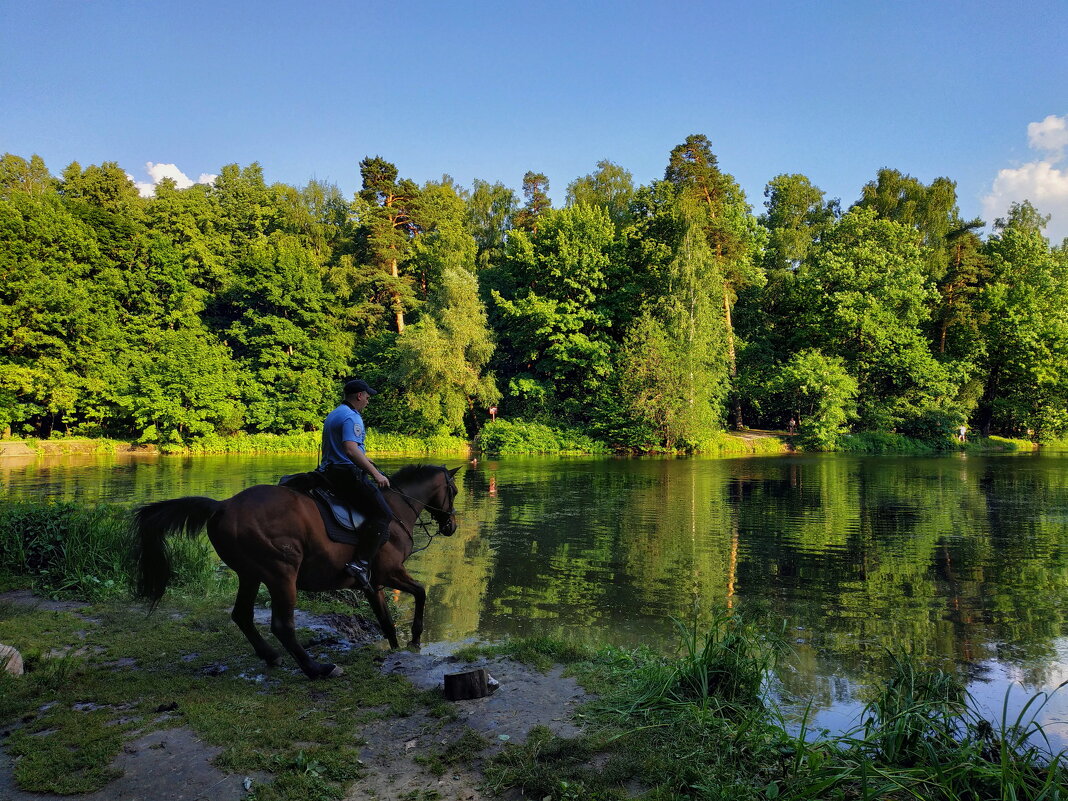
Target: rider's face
{"points": [[361, 400]]}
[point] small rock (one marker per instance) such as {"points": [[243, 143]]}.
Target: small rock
{"points": [[11, 660], [247, 783]]}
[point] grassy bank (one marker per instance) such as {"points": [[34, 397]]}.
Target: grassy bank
{"points": [[378, 444], [877, 442], [512, 438], [184, 665], [698, 726]]}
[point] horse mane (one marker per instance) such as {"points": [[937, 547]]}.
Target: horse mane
{"points": [[414, 473]]}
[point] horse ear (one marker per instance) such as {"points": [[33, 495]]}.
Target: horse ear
{"points": [[453, 472]]}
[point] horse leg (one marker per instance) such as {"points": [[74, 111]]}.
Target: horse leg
{"points": [[402, 581], [377, 600], [283, 601], [242, 616]]}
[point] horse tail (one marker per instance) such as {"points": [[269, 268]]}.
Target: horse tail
{"points": [[151, 524]]}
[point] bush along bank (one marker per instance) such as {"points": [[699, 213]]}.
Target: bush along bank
{"points": [[699, 725], [879, 442], [519, 437]]}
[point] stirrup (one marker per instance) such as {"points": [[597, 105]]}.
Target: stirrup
{"points": [[360, 571]]}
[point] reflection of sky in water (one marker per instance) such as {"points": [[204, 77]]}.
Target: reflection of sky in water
{"points": [[964, 560], [1007, 694]]}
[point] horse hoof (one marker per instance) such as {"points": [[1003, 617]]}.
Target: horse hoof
{"points": [[275, 661], [335, 671]]}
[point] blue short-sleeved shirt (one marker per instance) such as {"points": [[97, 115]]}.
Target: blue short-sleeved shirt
{"points": [[344, 424]]}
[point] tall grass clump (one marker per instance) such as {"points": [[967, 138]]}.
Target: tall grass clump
{"points": [[721, 665], [72, 550], [508, 438]]}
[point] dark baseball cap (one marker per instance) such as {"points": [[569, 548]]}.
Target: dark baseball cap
{"points": [[352, 387]]}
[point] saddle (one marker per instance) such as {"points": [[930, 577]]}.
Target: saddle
{"points": [[341, 520]]}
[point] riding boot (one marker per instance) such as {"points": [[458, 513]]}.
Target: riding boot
{"points": [[360, 569]]}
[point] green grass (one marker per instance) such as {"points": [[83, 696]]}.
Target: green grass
{"points": [[726, 444], [997, 443], [539, 652], [696, 726], [462, 750], [191, 660], [881, 442], [69, 550]]}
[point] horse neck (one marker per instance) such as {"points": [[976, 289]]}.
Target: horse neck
{"points": [[411, 501]]}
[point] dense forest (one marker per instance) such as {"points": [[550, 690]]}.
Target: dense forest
{"points": [[649, 317]]}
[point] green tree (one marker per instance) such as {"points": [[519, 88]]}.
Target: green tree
{"points": [[1024, 330], [864, 296], [182, 386], [551, 328], [729, 227], [821, 396], [440, 359], [796, 217], [27, 177], [490, 208], [611, 188], [387, 218], [673, 366], [535, 190]]}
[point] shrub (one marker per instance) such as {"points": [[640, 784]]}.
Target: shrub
{"points": [[504, 437], [84, 552]]}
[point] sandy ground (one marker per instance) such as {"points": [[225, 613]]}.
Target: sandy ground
{"points": [[173, 765]]}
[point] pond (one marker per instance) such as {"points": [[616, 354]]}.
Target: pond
{"points": [[959, 558]]}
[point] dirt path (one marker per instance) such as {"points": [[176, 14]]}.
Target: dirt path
{"points": [[173, 765], [526, 698]]}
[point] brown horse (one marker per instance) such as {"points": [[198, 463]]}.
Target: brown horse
{"points": [[275, 536]]}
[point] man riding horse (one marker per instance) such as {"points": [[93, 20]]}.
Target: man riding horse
{"points": [[354, 477]]}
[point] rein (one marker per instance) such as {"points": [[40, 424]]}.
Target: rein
{"points": [[418, 515]]}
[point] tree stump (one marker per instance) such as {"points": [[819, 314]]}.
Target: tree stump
{"points": [[470, 684]]}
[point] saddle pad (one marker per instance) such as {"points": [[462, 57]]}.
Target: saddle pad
{"points": [[341, 522], [335, 530]]}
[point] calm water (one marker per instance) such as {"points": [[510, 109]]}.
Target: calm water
{"points": [[964, 559]]}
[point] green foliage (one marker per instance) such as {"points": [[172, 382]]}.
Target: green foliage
{"points": [[646, 316], [505, 437], [74, 551], [821, 396]]}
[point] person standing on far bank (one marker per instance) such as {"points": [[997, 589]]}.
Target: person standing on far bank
{"points": [[355, 478]]}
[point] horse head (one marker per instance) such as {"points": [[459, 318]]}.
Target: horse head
{"points": [[441, 504]]}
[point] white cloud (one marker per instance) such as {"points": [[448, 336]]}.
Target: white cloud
{"points": [[1050, 135], [157, 172], [1044, 182]]}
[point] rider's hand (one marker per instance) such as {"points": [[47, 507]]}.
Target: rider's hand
{"points": [[381, 481]]}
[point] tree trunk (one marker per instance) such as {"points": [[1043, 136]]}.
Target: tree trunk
{"points": [[731, 358], [398, 310]]}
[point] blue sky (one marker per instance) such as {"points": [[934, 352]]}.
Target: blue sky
{"points": [[976, 91]]}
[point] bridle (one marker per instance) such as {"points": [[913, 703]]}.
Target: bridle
{"points": [[445, 518]]}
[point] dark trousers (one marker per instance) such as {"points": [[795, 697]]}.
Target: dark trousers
{"points": [[354, 486]]}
